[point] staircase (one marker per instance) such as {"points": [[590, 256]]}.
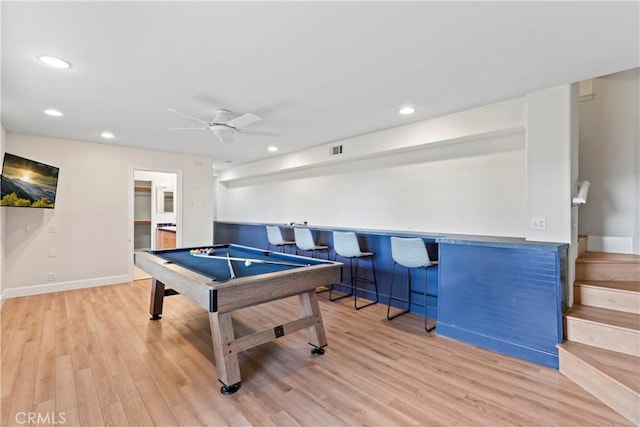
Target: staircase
{"points": [[602, 330]]}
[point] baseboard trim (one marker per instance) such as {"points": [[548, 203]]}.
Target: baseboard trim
{"points": [[63, 286], [541, 357], [613, 244]]}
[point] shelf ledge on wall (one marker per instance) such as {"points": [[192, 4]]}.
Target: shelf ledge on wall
{"points": [[498, 119]]}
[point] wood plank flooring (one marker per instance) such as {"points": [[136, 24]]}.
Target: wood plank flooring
{"points": [[93, 357]]}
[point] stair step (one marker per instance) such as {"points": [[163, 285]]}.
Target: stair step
{"points": [[606, 257], [600, 327], [608, 266], [612, 377], [615, 295]]}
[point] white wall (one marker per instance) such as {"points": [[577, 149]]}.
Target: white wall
{"points": [[610, 161], [433, 189], [463, 173], [92, 214], [3, 136]]}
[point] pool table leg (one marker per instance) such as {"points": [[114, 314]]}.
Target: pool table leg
{"points": [[227, 364], [315, 334], [157, 298]]}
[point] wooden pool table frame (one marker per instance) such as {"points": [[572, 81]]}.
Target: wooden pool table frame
{"points": [[222, 298]]}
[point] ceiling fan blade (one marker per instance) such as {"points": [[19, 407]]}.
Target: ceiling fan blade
{"points": [[187, 129], [258, 132], [243, 120], [187, 115]]}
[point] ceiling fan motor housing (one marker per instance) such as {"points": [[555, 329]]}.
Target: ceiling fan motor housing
{"points": [[222, 116]]}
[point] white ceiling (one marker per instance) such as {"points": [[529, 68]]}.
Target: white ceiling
{"points": [[315, 72]]}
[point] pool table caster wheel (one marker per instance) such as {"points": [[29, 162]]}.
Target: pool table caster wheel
{"points": [[229, 389], [155, 317], [317, 351]]}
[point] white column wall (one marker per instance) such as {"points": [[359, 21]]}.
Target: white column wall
{"points": [[549, 174], [92, 217], [552, 168]]}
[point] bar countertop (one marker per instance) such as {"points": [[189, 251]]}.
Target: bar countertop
{"points": [[447, 238]]}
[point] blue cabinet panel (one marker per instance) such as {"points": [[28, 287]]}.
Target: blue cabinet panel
{"points": [[505, 299]]}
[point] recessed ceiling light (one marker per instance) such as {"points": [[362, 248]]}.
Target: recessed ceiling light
{"points": [[406, 110], [54, 62], [107, 135], [273, 149], [54, 113]]}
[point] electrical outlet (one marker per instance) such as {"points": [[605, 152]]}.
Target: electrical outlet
{"points": [[539, 223], [52, 228], [53, 252], [51, 277]]}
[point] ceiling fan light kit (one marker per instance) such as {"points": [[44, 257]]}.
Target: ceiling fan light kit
{"points": [[223, 133]]}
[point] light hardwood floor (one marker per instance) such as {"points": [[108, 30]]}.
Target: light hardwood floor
{"points": [[95, 356]]}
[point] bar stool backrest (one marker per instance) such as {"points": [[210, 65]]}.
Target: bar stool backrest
{"points": [[410, 252], [274, 235], [345, 243], [304, 239]]}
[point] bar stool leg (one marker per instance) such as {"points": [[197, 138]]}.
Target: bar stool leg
{"points": [[410, 290], [375, 279], [332, 286], [426, 328], [391, 297], [354, 288]]}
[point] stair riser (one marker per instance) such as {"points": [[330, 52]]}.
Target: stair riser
{"points": [[603, 336], [607, 298], [609, 391], [582, 246], [608, 271]]}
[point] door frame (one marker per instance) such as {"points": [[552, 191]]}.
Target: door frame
{"points": [[131, 198]]}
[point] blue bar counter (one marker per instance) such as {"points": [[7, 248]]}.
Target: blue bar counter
{"points": [[501, 293], [505, 296]]}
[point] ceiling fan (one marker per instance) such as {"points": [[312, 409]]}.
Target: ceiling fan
{"points": [[224, 125]]}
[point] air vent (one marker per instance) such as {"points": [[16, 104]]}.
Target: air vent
{"points": [[335, 150]]}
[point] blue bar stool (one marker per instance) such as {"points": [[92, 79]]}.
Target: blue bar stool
{"points": [[346, 245], [412, 254], [304, 242], [274, 235]]}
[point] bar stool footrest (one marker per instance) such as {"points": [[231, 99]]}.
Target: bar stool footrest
{"points": [[340, 297], [396, 314], [358, 307]]}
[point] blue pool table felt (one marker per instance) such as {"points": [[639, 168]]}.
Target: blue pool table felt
{"points": [[218, 269]]}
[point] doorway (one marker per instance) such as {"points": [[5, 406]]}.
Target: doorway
{"points": [[156, 213]]}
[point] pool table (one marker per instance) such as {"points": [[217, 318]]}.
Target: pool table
{"points": [[225, 278]]}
